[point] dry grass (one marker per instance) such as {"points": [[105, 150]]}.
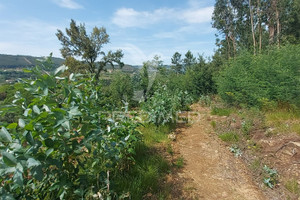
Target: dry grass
{"points": [[284, 121]]}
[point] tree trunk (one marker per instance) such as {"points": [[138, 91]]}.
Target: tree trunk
{"points": [[278, 25], [233, 44], [271, 20], [259, 24], [228, 47], [252, 28]]}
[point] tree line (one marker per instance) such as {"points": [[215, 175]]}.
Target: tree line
{"points": [[255, 24]]}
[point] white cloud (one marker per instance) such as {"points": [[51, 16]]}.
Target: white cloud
{"points": [[185, 31], [128, 17], [132, 53], [70, 4], [197, 16]]}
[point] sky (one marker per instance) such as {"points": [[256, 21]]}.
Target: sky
{"points": [[141, 28]]}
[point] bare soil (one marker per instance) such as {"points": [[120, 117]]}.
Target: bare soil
{"points": [[210, 170]]}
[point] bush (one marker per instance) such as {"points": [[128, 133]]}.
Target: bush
{"points": [[162, 107], [261, 79], [199, 79], [62, 146]]}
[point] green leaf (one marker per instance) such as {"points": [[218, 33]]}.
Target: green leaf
{"points": [[27, 112], [38, 173], [29, 138], [49, 151], [66, 125], [49, 142], [18, 174], [47, 109], [18, 177], [9, 159], [7, 197], [60, 69], [74, 111], [21, 123], [12, 126], [4, 135], [36, 109], [29, 127], [31, 162], [27, 70], [127, 137]]}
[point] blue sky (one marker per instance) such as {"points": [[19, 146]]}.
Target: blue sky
{"points": [[141, 29]]}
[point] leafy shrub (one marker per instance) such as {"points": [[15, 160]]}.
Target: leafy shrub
{"points": [[205, 100], [271, 176], [259, 80], [62, 146], [199, 79], [179, 162], [162, 107], [235, 150]]}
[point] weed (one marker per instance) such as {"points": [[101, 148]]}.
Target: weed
{"points": [[205, 100], [236, 150], [293, 186], [230, 137], [179, 162], [220, 111], [253, 145], [146, 175], [246, 127], [255, 165], [213, 124], [169, 149], [271, 176]]}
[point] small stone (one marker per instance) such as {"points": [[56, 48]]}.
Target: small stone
{"points": [[172, 136]]}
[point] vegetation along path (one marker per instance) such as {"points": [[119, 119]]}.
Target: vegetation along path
{"points": [[210, 170]]}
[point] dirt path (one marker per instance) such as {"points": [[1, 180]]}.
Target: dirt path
{"points": [[211, 171]]}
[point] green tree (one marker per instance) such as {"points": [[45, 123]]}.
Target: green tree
{"points": [[177, 63], [199, 79], [188, 60], [77, 43], [122, 88], [270, 76]]}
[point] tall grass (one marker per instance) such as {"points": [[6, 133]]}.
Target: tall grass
{"points": [[146, 176]]}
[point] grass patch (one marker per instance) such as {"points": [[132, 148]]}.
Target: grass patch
{"points": [[293, 186], [213, 124], [221, 111], [284, 121], [179, 162], [150, 166], [255, 165], [170, 149], [153, 134], [230, 137]]}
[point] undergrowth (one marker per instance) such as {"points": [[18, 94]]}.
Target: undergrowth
{"points": [[146, 176]]}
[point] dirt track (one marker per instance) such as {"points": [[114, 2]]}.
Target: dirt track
{"points": [[211, 171]]}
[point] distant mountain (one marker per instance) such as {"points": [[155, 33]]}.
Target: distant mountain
{"points": [[20, 61], [11, 67]]}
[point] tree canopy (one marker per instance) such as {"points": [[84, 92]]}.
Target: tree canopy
{"points": [[78, 44]]}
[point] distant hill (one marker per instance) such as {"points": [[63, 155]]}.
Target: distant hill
{"points": [[20, 61], [11, 67]]}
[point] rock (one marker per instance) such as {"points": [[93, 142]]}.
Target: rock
{"points": [[172, 136]]}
